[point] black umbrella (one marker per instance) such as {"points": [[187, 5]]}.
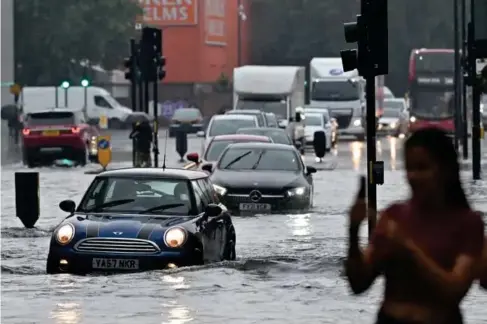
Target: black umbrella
{"points": [[10, 112]]}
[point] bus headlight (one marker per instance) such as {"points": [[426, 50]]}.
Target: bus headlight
{"points": [[65, 234]]}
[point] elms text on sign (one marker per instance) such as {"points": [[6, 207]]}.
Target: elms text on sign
{"points": [[170, 12]]}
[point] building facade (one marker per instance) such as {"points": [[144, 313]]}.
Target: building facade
{"points": [[202, 39], [7, 50]]}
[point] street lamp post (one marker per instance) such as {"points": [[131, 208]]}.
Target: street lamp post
{"points": [[463, 21], [241, 17]]}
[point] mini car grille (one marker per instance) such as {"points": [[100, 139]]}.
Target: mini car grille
{"points": [[116, 245]]}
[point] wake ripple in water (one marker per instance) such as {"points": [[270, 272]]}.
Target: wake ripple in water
{"points": [[260, 266], [20, 232]]}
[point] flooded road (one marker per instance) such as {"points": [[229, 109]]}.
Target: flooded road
{"points": [[288, 267]]}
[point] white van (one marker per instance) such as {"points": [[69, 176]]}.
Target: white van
{"points": [[95, 101]]}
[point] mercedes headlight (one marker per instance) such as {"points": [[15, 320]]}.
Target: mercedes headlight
{"points": [[299, 191], [175, 237], [412, 119], [357, 122], [65, 234], [220, 190]]}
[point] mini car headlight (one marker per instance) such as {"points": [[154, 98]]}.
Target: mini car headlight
{"points": [[299, 191], [357, 122], [220, 190], [175, 237], [65, 234], [412, 119]]}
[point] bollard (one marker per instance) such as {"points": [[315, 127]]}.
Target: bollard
{"points": [[27, 202], [319, 144], [181, 143]]}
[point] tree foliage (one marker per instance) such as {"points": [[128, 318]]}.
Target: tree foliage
{"points": [[53, 36], [294, 31]]}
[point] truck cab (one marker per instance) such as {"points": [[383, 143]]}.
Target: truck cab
{"points": [[342, 93]]}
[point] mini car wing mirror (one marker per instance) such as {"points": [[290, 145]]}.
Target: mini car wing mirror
{"points": [[310, 169], [213, 210], [193, 157], [207, 167], [68, 206], [200, 134]]}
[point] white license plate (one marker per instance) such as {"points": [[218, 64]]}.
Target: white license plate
{"points": [[119, 264], [51, 149], [255, 207]]}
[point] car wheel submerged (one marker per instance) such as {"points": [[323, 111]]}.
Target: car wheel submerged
{"points": [[28, 159], [51, 265]]}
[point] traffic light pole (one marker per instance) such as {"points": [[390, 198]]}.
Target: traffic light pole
{"points": [[133, 93], [146, 96], [456, 83], [463, 13], [155, 149], [472, 58], [371, 150]]}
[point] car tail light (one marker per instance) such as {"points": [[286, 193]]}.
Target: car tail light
{"points": [[75, 130], [26, 131]]}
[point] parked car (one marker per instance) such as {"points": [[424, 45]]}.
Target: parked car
{"points": [[189, 118]]}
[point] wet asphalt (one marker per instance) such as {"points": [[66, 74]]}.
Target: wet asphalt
{"points": [[288, 267]]}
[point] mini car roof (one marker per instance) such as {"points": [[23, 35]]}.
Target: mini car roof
{"points": [[261, 145], [155, 173]]}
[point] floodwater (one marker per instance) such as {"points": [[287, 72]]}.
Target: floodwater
{"points": [[288, 267]]}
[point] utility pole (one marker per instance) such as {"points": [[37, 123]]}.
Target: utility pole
{"points": [[463, 13], [370, 32]]}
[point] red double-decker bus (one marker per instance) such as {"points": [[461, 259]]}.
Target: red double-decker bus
{"points": [[431, 89]]}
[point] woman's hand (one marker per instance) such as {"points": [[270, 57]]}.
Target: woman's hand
{"points": [[358, 212]]}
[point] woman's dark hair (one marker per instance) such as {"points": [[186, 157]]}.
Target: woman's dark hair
{"points": [[440, 146], [297, 117]]}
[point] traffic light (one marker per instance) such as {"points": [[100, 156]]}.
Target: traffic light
{"points": [[130, 67], [85, 82], [65, 84], [161, 67], [354, 58], [370, 32]]}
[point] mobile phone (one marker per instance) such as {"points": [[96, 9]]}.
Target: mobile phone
{"points": [[363, 187]]}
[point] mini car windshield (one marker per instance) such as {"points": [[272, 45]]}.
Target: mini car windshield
{"points": [[230, 126], [138, 196], [260, 160]]}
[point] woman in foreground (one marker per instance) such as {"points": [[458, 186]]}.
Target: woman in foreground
{"points": [[427, 247]]}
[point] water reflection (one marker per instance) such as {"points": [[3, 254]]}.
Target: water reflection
{"points": [[178, 315], [176, 282], [67, 313], [356, 149], [300, 225], [378, 146], [393, 149]]}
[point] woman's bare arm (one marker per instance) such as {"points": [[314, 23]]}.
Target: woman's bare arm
{"points": [[359, 267]]}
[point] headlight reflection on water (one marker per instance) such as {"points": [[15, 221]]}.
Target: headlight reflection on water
{"points": [[67, 313], [176, 282], [356, 149], [179, 315], [393, 149], [300, 225]]}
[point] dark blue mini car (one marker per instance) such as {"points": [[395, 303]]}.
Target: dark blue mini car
{"points": [[142, 219]]}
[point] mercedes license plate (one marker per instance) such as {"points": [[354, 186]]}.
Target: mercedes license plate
{"points": [[115, 264], [255, 207]]}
